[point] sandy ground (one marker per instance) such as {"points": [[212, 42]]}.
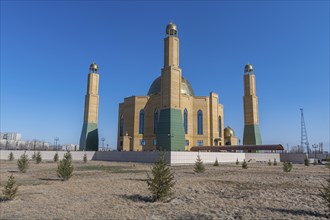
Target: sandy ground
{"points": [[111, 190]]}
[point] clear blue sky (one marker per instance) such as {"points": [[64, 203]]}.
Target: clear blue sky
{"points": [[47, 47]]}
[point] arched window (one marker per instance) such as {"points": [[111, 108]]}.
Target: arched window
{"points": [[220, 126], [185, 121], [141, 122], [121, 125], [155, 121], [200, 122]]}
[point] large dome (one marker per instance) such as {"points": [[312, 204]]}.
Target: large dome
{"points": [[185, 87]]}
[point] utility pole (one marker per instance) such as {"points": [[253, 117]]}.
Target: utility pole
{"points": [[103, 139], [304, 138], [56, 139], [315, 146]]}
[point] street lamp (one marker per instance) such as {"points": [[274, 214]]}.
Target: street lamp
{"points": [[103, 139], [315, 146], [56, 139]]}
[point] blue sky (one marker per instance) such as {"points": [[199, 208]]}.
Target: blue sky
{"points": [[47, 47]]}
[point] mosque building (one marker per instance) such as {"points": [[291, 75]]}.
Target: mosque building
{"points": [[171, 117]]}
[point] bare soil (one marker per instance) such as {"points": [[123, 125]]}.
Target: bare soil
{"points": [[111, 190]]}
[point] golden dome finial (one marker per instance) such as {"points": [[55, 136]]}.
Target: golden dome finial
{"points": [[93, 67], [171, 29], [248, 68]]}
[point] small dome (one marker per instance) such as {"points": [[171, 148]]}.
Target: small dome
{"points": [[229, 132], [93, 67], [186, 88], [171, 29], [248, 68]]}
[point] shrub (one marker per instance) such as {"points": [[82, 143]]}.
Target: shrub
{"points": [[55, 159], [275, 162], [38, 157], [244, 165], [23, 163], [315, 162], [10, 190], [237, 162], [269, 162], [199, 165], [65, 168], [216, 163], [325, 193], [11, 156], [162, 181], [287, 166], [34, 155], [306, 161], [85, 158]]}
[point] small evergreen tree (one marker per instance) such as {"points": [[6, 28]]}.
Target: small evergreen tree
{"points": [[269, 162], [199, 165], [55, 159], [11, 156], [34, 155], [244, 165], [161, 183], [216, 163], [10, 190], [237, 162], [306, 161], [38, 157], [23, 163], [287, 166], [85, 158], [65, 168], [275, 162]]}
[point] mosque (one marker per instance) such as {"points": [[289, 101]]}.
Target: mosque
{"points": [[171, 117]]}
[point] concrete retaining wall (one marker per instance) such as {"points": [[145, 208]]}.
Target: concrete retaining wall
{"points": [[174, 157], [318, 156], [178, 157], [47, 155], [129, 156], [262, 157], [293, 157]]}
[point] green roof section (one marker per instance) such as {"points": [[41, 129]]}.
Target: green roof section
{"points": [[252, 135], [89, 139], [170, 132]]}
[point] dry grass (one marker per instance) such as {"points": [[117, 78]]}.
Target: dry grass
{"points": [[109, 190]]}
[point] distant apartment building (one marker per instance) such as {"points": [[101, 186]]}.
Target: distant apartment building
{"points": [[10, 136]]}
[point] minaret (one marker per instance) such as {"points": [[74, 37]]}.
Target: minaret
{"points": [[170, 131], [251, 119], [89, 139]]}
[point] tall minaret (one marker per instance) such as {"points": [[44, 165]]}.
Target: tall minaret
{"points": [[89, 139], [251, 119], [170, 131]]}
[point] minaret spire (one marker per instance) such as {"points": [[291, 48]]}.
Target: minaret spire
{"points": [[170, 131], [251, 116], [89, 139]]}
